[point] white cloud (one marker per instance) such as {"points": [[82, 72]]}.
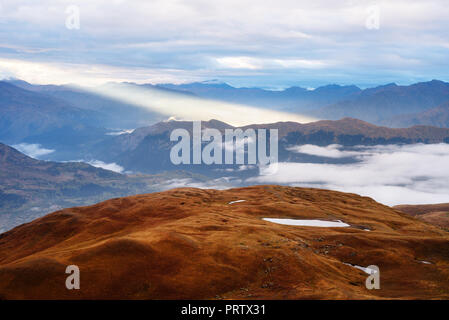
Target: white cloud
{"points": [[239, 63], [235, 39], [32, 150], [119, 132], [173, 17], [219, 183], [330, 151], [389, 174], [107, 166], [84, 74], [258, 64]]}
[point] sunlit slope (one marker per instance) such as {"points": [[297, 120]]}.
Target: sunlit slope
{"points": [[195, 244]]}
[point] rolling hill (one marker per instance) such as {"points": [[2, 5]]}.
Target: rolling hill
{"points": [[437, 214], [200, 244]]}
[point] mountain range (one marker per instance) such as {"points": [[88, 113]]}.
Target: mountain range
{"points": [[51, 115], [438, 117], [191, 243], [31, 188], [112, 113], [291, 99], [378, 105], [76, 125], [382, 105], [26, 114], [147, 149]]}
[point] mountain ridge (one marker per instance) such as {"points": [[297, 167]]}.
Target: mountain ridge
{"points": [[436, 214], [25, 113], [438, 117], [147, 149], [381, 103]]}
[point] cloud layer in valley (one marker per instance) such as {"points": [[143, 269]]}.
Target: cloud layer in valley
{"points": [[391, 174], [331, 151]]}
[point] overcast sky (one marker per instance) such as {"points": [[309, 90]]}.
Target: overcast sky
{"points": [[271, 44]]}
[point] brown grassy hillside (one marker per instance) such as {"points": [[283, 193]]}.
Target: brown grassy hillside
{"points": [[437, 214], [192, 244]]}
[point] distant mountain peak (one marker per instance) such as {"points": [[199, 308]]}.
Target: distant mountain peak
{"points": [[334, 87], [296, 89], [9, 154], [213, 81]]}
